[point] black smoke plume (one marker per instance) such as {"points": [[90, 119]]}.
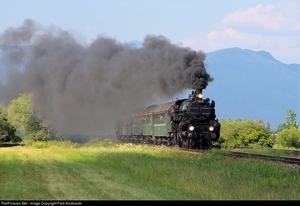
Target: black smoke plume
{"points": [[81, 87]]}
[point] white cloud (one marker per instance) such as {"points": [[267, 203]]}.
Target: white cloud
{"points": [[272, 28], [283, 16], [259, 16], [232, 36]]}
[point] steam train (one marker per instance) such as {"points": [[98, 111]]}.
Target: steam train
{"points": [[189, 123]]}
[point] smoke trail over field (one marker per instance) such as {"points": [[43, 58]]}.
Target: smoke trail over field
{"points": [[81, 88]]}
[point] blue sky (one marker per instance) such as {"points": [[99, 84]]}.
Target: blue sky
{"points": [[270, 25]]}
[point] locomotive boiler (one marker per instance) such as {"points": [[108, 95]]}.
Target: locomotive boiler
{"points": [[187, 123]]}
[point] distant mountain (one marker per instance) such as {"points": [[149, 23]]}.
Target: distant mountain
{"points": [[249, 84]]}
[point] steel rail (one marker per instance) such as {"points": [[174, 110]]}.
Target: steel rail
{"points": [[284, 159], [289, 160]]}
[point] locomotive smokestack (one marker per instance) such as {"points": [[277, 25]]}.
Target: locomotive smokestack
{"points": [[199, 94], [198, 91]]}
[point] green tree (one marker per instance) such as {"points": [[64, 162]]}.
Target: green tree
{"points": [[7, 131], [290, 135], [245, 133], [28, 122], [281, 127], [290, 119]]}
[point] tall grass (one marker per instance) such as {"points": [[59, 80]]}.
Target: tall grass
{"points": [[108, 170]]}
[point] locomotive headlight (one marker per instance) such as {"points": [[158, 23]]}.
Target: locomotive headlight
{"points": [[200, 96], [191, 128], [211, 128]]}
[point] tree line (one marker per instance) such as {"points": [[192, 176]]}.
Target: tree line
{"points": [[250, 133], [20, 122]]}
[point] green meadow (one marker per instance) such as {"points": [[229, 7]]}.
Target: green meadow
{"points": [[108, 170]]}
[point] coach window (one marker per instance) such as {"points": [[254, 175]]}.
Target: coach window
{"points": [[161, 117], [145, 119], [155, 118]]}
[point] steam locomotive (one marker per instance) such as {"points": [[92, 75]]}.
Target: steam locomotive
{"points": [[189, 123]]}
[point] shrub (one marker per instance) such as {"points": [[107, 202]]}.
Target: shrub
{"points": [[245, 133], [289, 137]]}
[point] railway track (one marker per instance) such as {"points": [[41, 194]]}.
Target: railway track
{"points": [[267, 157], [282, 152], [284, 159]]}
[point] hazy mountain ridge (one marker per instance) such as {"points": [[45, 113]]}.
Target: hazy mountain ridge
{"points": [[249, 84]]}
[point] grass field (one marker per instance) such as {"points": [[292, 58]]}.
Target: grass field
{"points": [[107, 170]]}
